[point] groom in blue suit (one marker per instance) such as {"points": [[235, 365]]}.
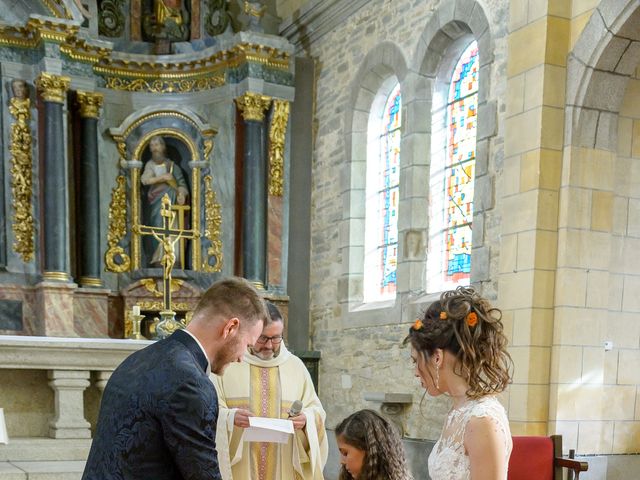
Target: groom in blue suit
{"points": [[159, 409]]}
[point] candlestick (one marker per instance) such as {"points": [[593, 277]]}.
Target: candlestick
{"points": [[136, 309]]}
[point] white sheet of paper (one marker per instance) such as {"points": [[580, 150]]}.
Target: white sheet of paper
{"points": [[4, 438], [262, 429]]}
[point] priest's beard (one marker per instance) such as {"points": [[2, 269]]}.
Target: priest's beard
{"points": [[265, 354]]}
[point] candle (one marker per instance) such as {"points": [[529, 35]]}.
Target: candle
{"points": [[136, 309]]}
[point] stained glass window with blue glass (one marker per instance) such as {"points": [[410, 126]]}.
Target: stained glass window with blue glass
{"points": [[462, 109], [383, 178]]}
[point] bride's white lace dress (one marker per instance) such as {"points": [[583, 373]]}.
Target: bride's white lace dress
{"points": [[448, 459]]}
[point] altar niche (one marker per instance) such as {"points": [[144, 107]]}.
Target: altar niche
{"points": [[166, 171]]}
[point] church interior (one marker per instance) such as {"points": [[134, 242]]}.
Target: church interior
{"points": [[352, 159]]}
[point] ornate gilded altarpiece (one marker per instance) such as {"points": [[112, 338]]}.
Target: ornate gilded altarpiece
{"points": [[187, 143]]}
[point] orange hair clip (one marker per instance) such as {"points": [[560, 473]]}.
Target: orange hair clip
{"points": [[417, 325], [472, 319], [443, 315]]}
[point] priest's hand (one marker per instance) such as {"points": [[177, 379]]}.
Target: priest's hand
{"points": [[299, 421], [241, 418]]}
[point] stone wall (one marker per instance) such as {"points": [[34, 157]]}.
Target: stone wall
{"points": [[555, 230]]}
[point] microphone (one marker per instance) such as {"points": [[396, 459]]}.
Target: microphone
{"points": [[296, 408]]}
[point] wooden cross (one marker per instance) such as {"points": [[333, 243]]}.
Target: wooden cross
{"points": [[163, 235]]}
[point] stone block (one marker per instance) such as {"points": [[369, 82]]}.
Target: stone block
{"points": [[635, 142], [578, 23], [531, 365], [522, 132], [630, 298], [558, 33], [626, 437], [552, 135], [508, 253], [554, 86], [516, 94], [607, 131], [605, 91], [629, 60], [601, 211], [571, 289], [478, 21], [579, 326], [480, 270], [518, 15], [597, 289], [533, 327], [628, 372], [487, 120], [566, 364], [595, 33], [625, 136], [614, 51], [623, 329], [528, 403], [595, 437], [478, 234], [463, 10], [593, 364], [529, 42], [592, 168]]}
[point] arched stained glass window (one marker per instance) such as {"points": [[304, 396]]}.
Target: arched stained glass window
{"points": [[449, 262], [382, 198]]}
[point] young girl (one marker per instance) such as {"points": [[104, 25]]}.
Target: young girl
{"points": [[370, 448], [459, 350]]}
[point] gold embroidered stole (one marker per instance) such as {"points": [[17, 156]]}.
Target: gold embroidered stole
{"points": [[265, 402]]}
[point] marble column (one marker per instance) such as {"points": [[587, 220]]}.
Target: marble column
{"points": [[254, 188], [89, 188], [53, 90]]}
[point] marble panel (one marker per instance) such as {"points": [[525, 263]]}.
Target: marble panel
{"points": [[90, 312]]}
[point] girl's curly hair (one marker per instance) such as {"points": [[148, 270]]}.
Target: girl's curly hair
{"points": [[465, 324], [370, 432]]}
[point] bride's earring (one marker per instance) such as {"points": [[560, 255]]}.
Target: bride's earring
{"points": [[437, 377]]}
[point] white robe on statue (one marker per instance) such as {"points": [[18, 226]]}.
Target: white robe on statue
{"points": [[268, 388]]}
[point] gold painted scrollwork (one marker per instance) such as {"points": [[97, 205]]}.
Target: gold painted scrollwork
{"points": [[90, 104], [21, 178], [253, 105], [117, 229], [213, 223], [277, 136]]}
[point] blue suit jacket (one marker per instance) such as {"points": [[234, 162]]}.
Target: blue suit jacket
{"points": [[157, 417]]}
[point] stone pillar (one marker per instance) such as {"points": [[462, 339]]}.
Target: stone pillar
{"points": [[53, 89], [69, 421], [254, 188], [102, 377], [89, 204]]}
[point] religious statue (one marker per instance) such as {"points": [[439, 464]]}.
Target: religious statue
{"points": [[162, 176], [169, 21]]}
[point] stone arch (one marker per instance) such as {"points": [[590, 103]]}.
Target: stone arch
{"points": [[383, 62], [598, 69]]}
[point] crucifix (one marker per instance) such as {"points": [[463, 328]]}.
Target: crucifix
{"points": [[167, 235]]}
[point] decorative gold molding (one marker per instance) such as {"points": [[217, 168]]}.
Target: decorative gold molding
{"points": [[53, 88], [213, 228], [90, 103], [90, 282], [253, 105], [277, 137], [208, 146], [155, 307], [57, 276], [21, 178], [164, 86], [117, 229]]}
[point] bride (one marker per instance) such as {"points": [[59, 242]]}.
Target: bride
{"points": [[459, 350]]}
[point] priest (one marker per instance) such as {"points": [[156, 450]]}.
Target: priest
{"points": [[266, 384]]}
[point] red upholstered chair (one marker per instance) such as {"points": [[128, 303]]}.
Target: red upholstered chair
{"points": [[540, 458]]}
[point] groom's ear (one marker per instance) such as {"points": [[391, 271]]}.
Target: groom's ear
{"points": [[231, 327]]}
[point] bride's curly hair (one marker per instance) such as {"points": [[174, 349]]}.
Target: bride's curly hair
{"points": [[465, 324], [384, 457]]}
